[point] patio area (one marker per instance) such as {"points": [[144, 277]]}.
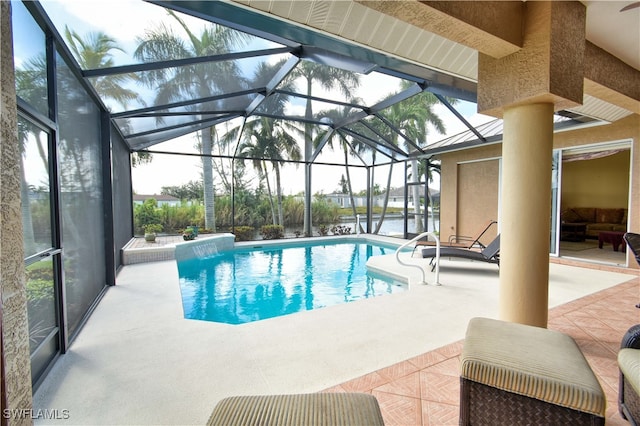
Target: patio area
{"points": [[425, 390], [138, 361]]}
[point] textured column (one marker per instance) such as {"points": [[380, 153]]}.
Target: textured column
{"points": [[15, 331], [526, 207], [525, 88], [550, 66]]}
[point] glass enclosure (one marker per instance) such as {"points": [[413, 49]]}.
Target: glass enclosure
{"points": [[242, 125], [81, 196], [62, 189]]}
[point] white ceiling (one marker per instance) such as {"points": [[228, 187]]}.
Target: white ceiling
{"points": [[616, 32]]}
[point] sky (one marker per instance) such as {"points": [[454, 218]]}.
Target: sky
{"points": [[149, 179], [172, 170]]}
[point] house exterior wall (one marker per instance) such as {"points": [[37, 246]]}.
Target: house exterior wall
{"points": [[624, 129], [14, 350], [458, 179], [478, 205], [461, 175]]}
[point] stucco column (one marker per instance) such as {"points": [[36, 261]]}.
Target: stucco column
{"points": [[525, 221], [525, 88]]}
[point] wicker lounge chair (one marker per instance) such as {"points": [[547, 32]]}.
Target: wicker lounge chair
{"points": [[459, 241], [490, 254], [629, 364]]}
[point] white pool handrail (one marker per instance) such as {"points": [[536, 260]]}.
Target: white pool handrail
{"points": [[424, 276]]}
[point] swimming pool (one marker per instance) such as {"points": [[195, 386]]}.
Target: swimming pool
{"points": [[251, 284]]}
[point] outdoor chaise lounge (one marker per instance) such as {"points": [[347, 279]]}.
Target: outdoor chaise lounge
{"points": [[490, 254], [459, 241], [633, 241]]}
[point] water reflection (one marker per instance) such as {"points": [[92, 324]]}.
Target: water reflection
{"points": [[250, 285]]}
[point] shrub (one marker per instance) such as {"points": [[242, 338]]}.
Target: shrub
{"points": [[152, 228], [324, 212], [146, 214], [39, 289], [272, 232], [244, 233]]}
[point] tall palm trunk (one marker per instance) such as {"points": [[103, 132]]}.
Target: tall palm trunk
{"points": [[207, 176], [266, 178], [351, 199], [308, 145], [27, 219], [386, 200], [279, 195], [415, 193], [429, 203]]}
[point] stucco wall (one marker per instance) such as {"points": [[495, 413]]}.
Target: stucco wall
{"points": [[478, 205], [601, 182], [454, 219], [15, 333], [469, 191]]}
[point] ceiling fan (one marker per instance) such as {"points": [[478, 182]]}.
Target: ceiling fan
{"points": [[630, 6]]}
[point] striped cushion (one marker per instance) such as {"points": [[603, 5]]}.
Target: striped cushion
{"points": [[629, 363], [303, 409], [531, 361]]}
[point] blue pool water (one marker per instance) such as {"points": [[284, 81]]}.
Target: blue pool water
{"points": [[252, 284]]}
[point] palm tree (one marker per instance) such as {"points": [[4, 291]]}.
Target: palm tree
{"points": [[270, 139], [262, 137], [334, 116], [428, 168], [94, 51], [255, 148], [31, 85], [328, 78], [194, 81], [411, 117]]}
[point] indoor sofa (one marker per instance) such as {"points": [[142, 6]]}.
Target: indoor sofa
{"points": [[596, 219]]}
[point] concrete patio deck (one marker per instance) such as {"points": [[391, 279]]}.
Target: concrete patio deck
{"points": [[138, 361]]}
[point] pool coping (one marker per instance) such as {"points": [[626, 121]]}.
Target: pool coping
{"points": [[131, 255]]}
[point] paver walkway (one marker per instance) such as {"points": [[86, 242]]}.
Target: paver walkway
{"points": [[425, 390]]}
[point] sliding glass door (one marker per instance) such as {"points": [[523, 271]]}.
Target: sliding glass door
{"points": [[556, 173], [42, 254]]}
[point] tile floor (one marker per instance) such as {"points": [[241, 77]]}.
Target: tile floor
{"points": [[425, 390]]}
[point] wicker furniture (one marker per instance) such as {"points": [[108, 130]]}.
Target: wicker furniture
{"points": [[514, 374], [629, 388], [304, 409]]}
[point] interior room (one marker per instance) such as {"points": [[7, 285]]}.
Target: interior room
{"points": [[595, 181]]}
